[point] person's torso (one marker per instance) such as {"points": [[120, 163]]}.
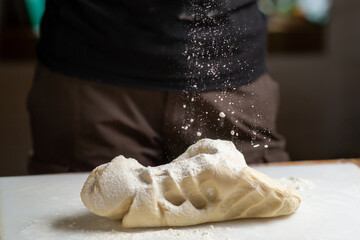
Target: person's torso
{"points": [[156, 44]]}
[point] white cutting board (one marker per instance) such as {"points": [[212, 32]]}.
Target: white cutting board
{"points": [[49, 207]]}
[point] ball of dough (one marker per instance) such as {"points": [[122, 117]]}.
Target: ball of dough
{"points": [[209, 182]]}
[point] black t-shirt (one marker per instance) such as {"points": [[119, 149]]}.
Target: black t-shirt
{"points": [[171, 45]]}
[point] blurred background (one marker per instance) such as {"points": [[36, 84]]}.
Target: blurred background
{"points": [[313, 52]]}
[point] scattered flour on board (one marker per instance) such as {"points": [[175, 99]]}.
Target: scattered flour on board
{"points": [[44, 229], [299, 184]]}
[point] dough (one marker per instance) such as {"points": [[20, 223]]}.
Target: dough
{"points": [[209, 182]]}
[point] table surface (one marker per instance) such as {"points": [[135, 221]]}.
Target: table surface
{"points": [[49, 207], [355, 161]]}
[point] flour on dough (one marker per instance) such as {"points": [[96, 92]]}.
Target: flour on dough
{"points": [[209, 182]]}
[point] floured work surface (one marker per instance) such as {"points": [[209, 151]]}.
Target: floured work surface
{"points": [[49, 207]]}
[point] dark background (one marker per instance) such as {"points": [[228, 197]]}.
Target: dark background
{"points": [[318, 69]]}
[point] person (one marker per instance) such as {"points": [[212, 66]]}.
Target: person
{"points": [[146, 79]]}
